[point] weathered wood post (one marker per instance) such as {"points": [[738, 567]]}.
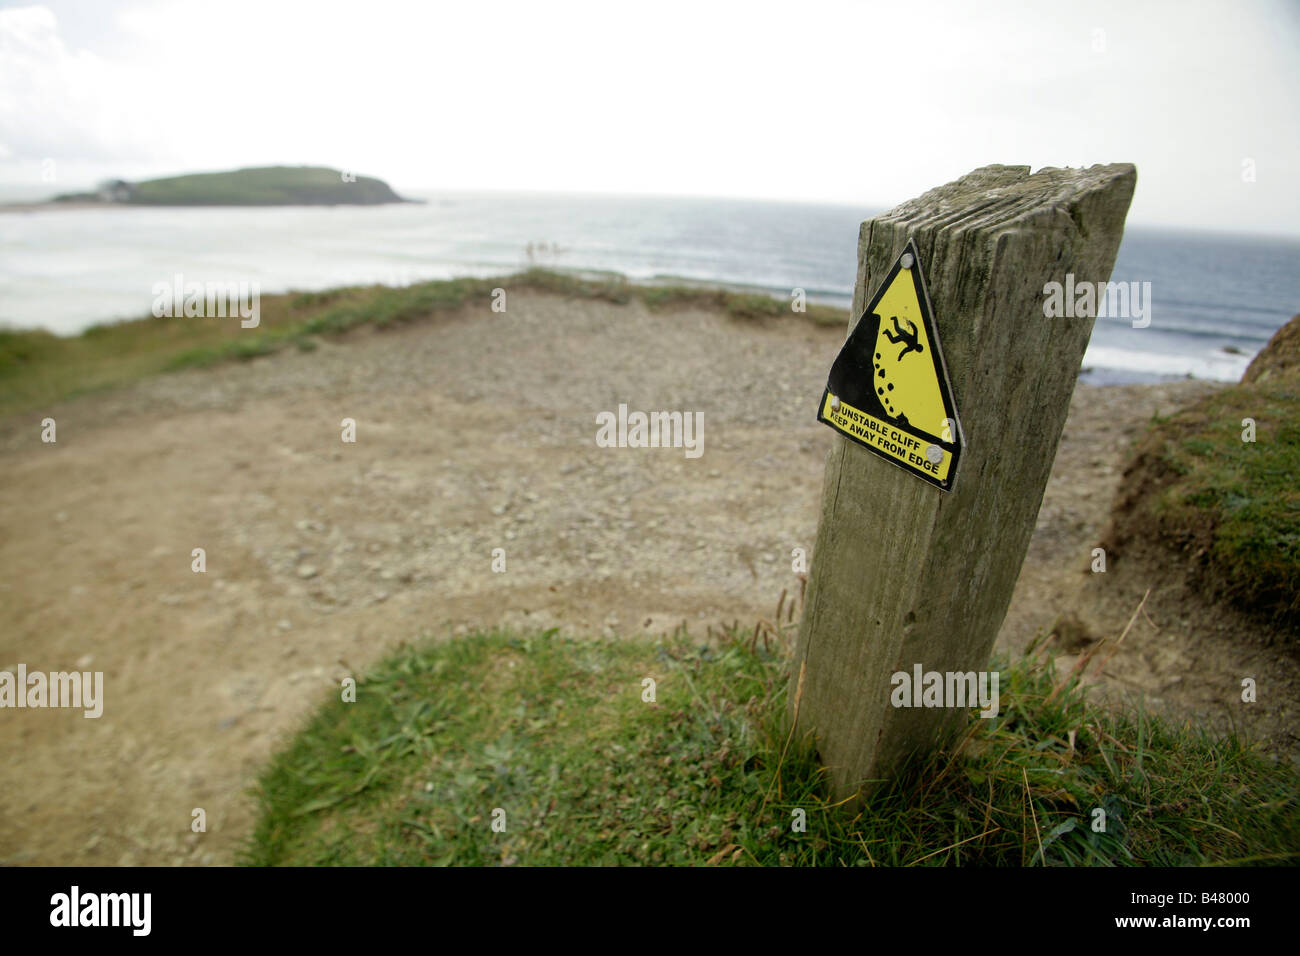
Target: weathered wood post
{"points": [[907, 571]]}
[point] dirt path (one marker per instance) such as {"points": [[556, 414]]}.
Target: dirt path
{"points": [[473, 433]]}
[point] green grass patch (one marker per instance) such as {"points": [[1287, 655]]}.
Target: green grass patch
{"points": [[1231, 506], [554, 732], [37, 368]]}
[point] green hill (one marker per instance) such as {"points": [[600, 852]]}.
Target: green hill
{"points": [[261, 186]]}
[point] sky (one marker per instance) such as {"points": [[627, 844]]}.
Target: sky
{"points": [[849, 102]]}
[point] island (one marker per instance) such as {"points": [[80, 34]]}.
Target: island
{"points": [[258, 186]]}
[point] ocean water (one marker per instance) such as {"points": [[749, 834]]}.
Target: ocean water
{"points": [[1215, 299]]}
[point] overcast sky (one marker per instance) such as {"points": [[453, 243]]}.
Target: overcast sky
{"points": [[855, 102]]}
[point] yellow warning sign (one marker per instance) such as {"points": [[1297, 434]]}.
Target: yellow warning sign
{"points": [[888, 389]]}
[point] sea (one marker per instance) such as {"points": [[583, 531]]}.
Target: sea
{"points": [[1215, 299]]}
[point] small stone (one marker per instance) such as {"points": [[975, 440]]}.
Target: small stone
{"points": [[284, 624], [307, 571]]}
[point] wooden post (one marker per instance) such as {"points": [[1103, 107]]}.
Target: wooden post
{"points": [[905, 573]]}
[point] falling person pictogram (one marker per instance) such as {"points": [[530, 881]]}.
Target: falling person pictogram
{"points": [[898, 335]]}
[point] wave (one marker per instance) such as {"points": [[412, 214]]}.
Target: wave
{"points": [[1226, 368]]}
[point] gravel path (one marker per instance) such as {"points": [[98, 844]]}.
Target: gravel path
{"points": [[474, 432]]}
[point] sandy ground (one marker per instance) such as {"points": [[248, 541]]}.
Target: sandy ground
{"points": [[473, 433]]}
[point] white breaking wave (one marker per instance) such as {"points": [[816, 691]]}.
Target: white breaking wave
{"points": [[1217, 368]]}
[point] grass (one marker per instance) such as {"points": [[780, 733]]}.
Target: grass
{"points": [[1231, 506], [555, 733], [37, 368]]}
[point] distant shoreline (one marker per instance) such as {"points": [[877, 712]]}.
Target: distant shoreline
{"points": [[45, 205], [49, 205]]}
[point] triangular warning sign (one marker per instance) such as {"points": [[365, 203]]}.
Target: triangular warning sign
{"points": [[888, 389]]}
